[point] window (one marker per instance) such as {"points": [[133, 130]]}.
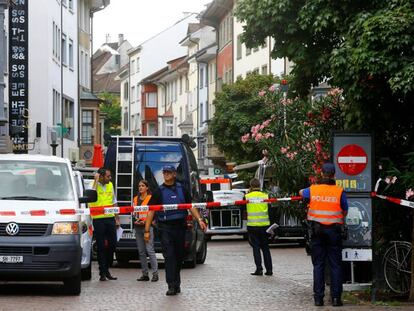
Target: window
{"points": [[206, 79], [248, 51], [56, 107], [82, 69], [86, 70], [255, 49], [87, 127], [54, 39], [256, 71], [71, 4], [169, 127], [132, 94], [126, 89], [57, 44], [181, 85], [138, 99], [151, 100], [132, 67], [201, 113], [68, 120], [71, 53], [201, 78], [64, 2], [126, 120], [117, 59], [239, 47], [264, 70], [138, 67], [265, 44], [151, 129], [181, 114]]}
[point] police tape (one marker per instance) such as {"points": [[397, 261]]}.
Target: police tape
{"points": [[394, 200], [104, 210]]}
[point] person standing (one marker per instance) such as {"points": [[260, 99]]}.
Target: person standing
{"points": [[143, 198], [172, 226], [257, 224], [104, 225], [328, 207]]}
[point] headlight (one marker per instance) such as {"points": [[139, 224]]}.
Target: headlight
{"points": [[66, 228]]}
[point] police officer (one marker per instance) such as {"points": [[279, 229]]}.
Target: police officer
{"points": [[104, 225], [327, 210], [257, 223], [172, 226]]}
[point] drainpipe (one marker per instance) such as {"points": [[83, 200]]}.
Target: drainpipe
{"points": [[129, 95], [3, 119], [198, 95], [270, 55], [61, 80]]}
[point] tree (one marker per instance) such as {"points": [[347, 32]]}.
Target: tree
{"points": [[363, 47], [112, 108], [237, 108]]}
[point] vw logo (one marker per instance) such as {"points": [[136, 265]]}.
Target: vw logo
{"points": [[12, 228]]}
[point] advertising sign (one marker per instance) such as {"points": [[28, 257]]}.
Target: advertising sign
{"points": [[353, 161], [18, 75], [359, 222]]}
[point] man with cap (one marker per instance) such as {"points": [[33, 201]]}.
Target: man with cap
{"points": [[328, 207], [171, 225]]}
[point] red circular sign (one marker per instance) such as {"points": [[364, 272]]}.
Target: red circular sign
{"points": [[352, 159]]}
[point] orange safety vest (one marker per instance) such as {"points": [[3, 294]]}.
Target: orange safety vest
{"points": [[325, 204], [142, 215]]}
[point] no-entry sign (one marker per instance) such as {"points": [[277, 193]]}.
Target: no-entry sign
{"points": [[352, 159]]}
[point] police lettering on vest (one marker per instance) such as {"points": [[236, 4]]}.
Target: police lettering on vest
{"points": [[105, 198], [325, 206], [172, 195], [257, 213]]}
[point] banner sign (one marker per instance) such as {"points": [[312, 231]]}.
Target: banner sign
{"points": [[18, 75], [353, 161], [359, 222]]}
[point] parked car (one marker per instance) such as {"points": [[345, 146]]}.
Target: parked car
{"points": [[135, 158], [38, 240]]}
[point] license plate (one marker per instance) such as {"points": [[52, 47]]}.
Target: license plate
{"points": [[11, 259], [128, 235]]}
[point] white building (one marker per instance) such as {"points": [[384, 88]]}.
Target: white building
{"points": [[145, 60], [55, 71]]}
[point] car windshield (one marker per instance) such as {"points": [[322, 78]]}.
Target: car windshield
{"points": [[31, 180]]}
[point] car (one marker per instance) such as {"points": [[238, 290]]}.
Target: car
{"points": [[41, 232], [135, 158]]}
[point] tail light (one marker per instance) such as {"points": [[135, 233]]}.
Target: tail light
{"points": [[189, 220], [244, 215]]}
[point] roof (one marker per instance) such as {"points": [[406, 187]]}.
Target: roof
{"points": [[154, 75], [106, 83], [215, 12], [168, 113], [193, 27], [32, 157], [86, 95]]}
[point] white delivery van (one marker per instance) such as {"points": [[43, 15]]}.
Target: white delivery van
{"points": [[40, 239]]}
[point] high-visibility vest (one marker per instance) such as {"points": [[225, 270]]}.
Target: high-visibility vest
{"points": [[257, 213], [325, 204], [105, 198], [142, 215]]}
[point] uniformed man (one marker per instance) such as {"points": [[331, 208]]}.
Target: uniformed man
{"points": [[104, 225], [172, 226], [327, 210], [257, 224]]}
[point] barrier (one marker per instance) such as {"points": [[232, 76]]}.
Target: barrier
{"points": [[393, 200]]}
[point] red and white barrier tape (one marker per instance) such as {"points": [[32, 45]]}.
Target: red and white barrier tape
{"points": [[143, 208], [394, 200]]}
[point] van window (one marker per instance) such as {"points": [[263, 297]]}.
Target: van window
{"points": [[30, 180]]}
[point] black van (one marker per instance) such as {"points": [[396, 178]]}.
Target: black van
{"points": [[132, 159]]}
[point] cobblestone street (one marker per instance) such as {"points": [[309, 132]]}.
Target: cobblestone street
{"points": [[222, 283]]}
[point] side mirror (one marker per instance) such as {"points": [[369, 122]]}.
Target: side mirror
{"points": [[89, 196], [209, 196]]}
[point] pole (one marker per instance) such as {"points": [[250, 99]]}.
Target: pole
{"points": [[3, 5], [62, 112]]}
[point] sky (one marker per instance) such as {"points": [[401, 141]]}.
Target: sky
{"points": [[139, 20]]}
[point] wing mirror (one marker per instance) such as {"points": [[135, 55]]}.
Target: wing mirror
{"points": [[89, 196]]}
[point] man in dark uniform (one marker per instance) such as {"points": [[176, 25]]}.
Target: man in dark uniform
{"points": [[327, 211], [172, 226]]}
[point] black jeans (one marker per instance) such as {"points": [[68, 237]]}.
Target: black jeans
{"points": [[258, 239], [105, 229], [326, 244], [173, 240]]}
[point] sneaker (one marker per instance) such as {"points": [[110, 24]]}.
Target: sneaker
{"points": [[257, 272], [155, 277], [143, 278]]}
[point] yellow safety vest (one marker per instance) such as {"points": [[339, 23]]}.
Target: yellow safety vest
{"points": [[105, 198], [257, 213]]}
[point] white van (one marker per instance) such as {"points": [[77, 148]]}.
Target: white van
{"points": [[40, 238]]}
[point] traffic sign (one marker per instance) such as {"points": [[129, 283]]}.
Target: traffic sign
{"points": [[352, 159]]}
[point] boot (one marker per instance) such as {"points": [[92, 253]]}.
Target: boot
{"points": [[155, 277], [143, 277], [257, 272], [336, 302], [171, 291]]}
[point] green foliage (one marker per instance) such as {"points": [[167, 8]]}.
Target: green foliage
{"points": [[237, 108], [112, 108], [296, 137], [363, 47]]}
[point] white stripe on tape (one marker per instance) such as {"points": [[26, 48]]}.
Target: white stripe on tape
{"points": [[170, 207], [351, 159]]}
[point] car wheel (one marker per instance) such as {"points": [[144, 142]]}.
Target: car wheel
{"points": [[121, 259], [202, 254], [72, 285]]}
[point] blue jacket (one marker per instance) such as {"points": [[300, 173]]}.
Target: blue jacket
{"points": [[172, 195]]}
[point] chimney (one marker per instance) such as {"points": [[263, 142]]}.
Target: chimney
{"points": [[108, 38], [120, 39]]}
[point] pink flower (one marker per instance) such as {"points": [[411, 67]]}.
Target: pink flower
{"points": [[245, 138], [272, 88], [259, 137], [268, 135], [409, 193], [283, 150], [262, 93], [266, 123]]}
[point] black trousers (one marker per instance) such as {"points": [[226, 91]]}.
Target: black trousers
{"points": [[173, 241], [258, 239], [105, 230], [326, 245]]}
